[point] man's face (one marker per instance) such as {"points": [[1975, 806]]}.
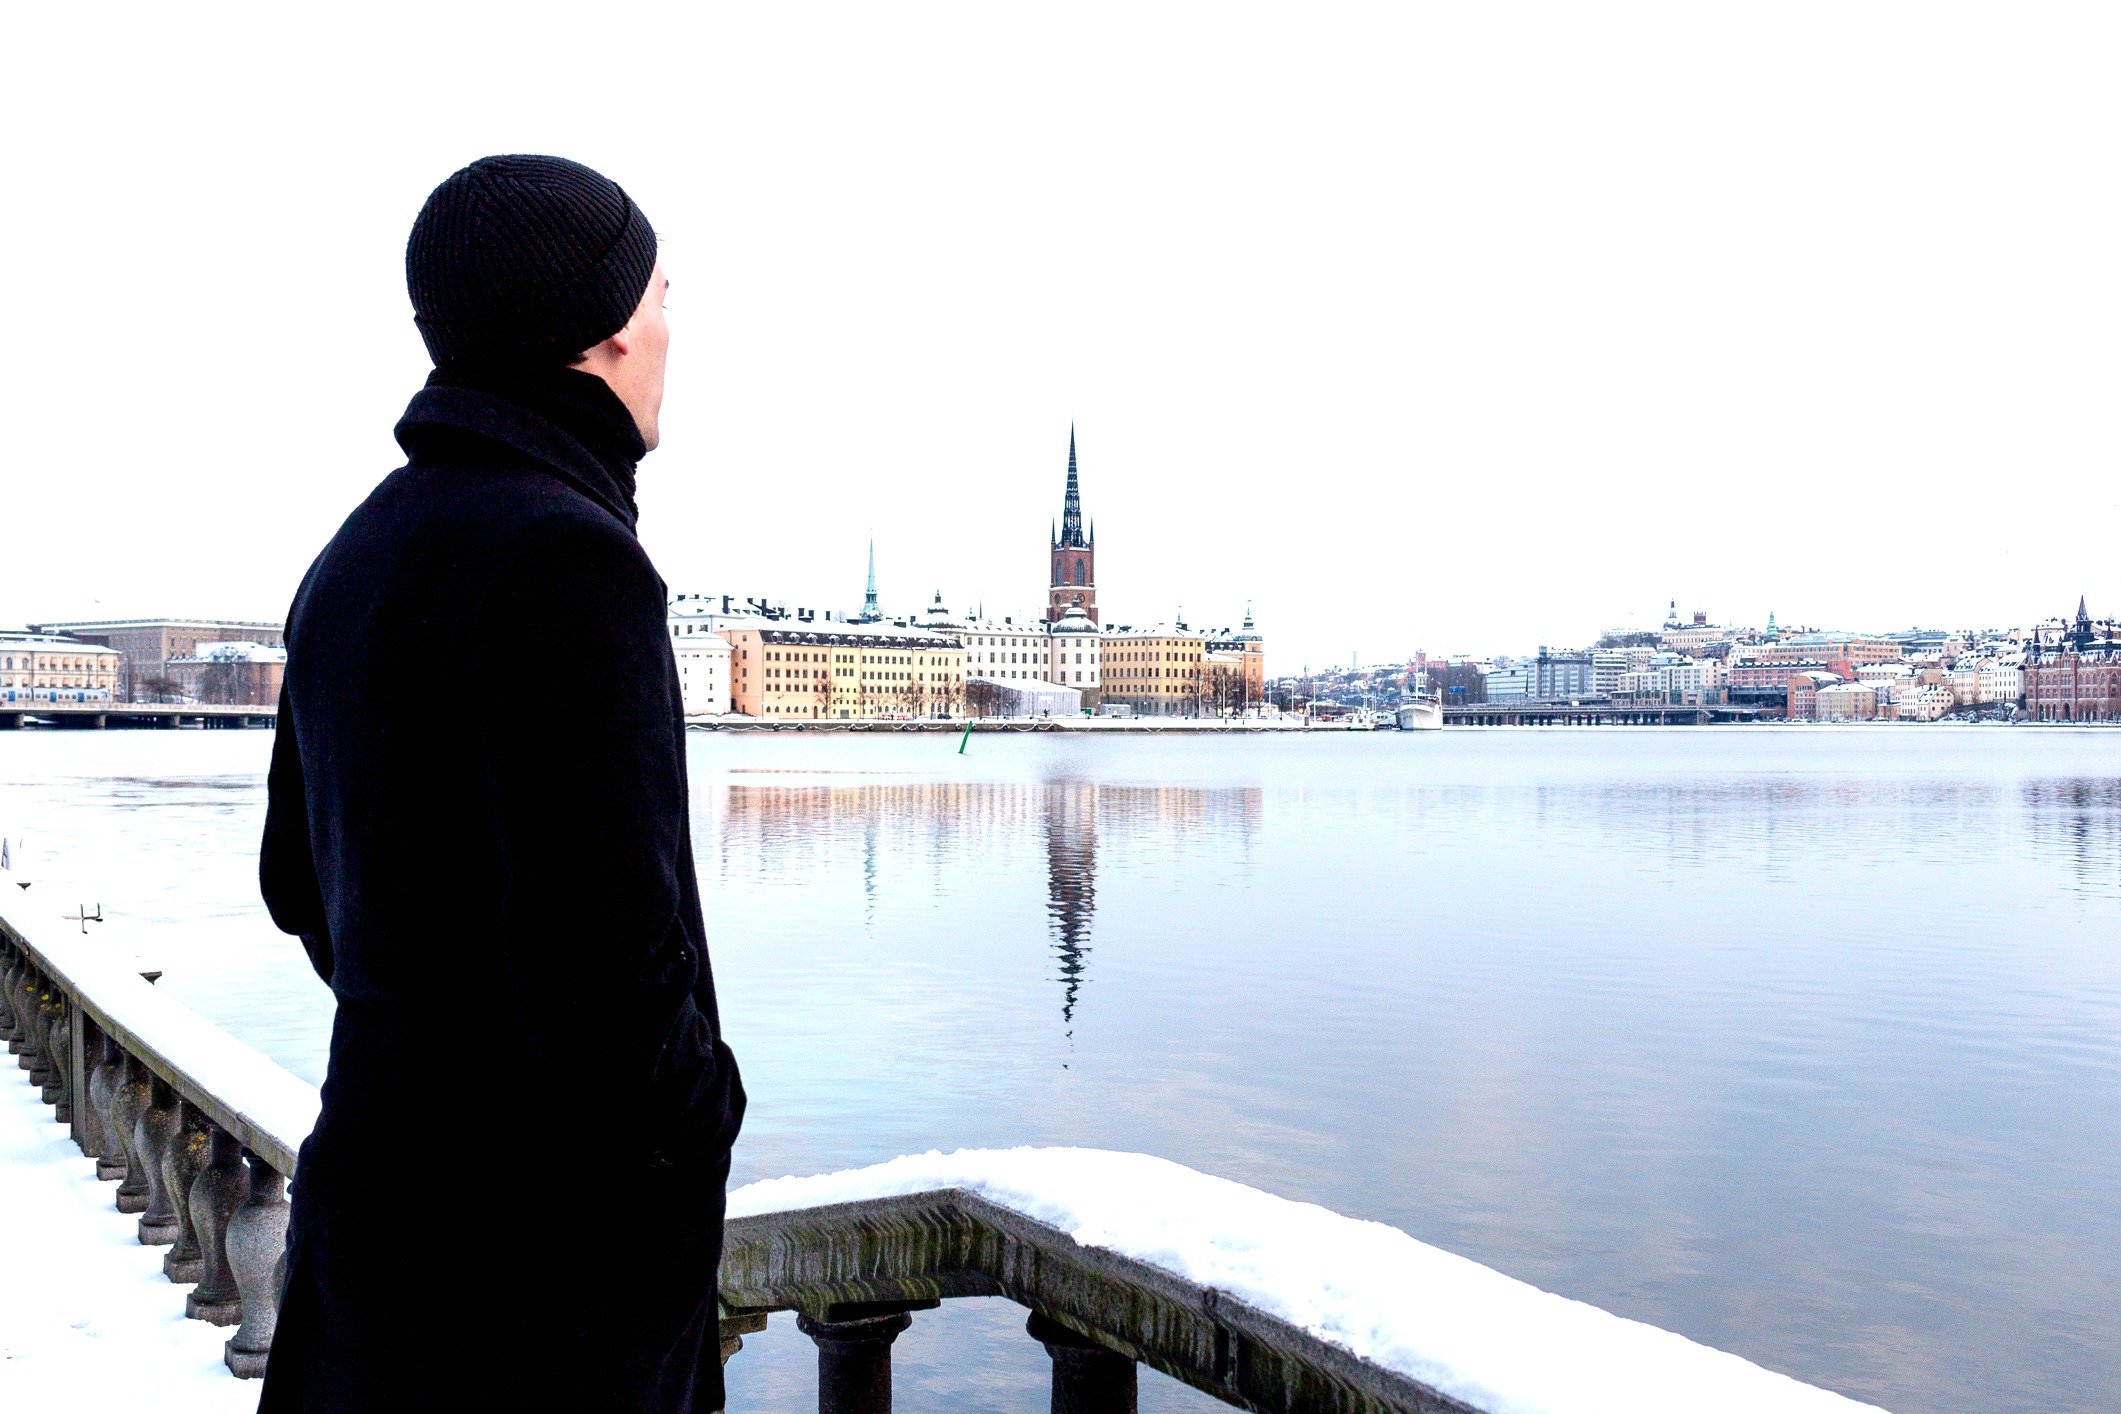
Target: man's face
{"points": [[640, 374]]}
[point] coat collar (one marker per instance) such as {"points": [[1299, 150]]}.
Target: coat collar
{"points": [[511, 424]]}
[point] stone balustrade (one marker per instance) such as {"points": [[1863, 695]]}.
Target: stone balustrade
{"points": [[856, 1274], [197, 1130]]}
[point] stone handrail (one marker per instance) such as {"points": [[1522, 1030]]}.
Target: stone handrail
{"points": [[855, 1271], [199, 1129]]}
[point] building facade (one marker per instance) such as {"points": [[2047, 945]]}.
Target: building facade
{"points": [[1156, 672], [2073, 673], [47, 667], [236, 674], [794, 672], [149, 646], [703, 673]]}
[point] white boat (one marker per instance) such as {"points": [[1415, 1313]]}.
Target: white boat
{"points": [[1423, 714]]}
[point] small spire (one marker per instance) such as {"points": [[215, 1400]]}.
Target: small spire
{"points": [[870, 613]]}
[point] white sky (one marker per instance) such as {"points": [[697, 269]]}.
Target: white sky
{"points": [[1464, 329]]}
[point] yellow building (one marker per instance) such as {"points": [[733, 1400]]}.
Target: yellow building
{"points": [[45, 668], [1155, 671], [795, 672]]}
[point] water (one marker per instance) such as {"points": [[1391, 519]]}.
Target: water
{"points": [[1804, 1043]]}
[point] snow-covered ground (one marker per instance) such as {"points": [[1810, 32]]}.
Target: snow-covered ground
{"points": [[86, 1315], [1463, 1328]]}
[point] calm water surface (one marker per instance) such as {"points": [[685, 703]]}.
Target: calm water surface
{"points": [[1804, 1043]]}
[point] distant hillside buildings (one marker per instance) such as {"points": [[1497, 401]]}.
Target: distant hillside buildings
{"points": [[2064, 670]]}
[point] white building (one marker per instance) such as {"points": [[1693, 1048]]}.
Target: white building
{"points": [[1072, 650], [1978, 682], [1672, 678], [703, 672], [1001, 652]]}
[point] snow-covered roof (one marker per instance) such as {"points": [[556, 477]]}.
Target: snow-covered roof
{"points": [[1464, 1329]]}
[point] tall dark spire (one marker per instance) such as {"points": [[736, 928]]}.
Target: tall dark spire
{"points": [[870, 613], [1071, 527]]}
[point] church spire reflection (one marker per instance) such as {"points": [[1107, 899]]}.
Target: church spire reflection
{"points": [[1070, 823]]}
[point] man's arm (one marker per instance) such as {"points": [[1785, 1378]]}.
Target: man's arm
{"points": [[287, 870]]}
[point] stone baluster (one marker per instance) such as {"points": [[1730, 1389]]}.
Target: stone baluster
{"points": [[10, 987], [154, 1139], [1088, 1378], [29, 999], [7, 995], [106, 1072], [257, 1236], [737, 1325], [58, 1091], [216, 1195], [854, 1357], [130, 1098], [180, 1171]]}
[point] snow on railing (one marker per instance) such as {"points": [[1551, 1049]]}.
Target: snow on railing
{"points": [[1123, 1259], [199, 1129], [1262, 1302]]}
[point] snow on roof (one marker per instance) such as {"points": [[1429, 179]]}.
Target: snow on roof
{"points": [[1465, 1329]]}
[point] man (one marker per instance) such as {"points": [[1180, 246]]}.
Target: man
{"points": [[513, 1197]]}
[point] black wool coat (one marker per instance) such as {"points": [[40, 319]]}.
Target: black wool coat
{"points": [[478, 827]]}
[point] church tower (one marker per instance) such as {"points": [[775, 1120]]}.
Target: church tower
{"points": [[1074, 554]]}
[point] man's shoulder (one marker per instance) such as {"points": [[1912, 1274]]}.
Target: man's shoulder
{"points": [[466, 530]]}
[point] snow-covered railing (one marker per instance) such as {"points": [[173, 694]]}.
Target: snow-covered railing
{"points": [[199, 1129], [1264, 1303]]}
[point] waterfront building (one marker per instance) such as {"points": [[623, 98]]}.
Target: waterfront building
{"points": [[147, 646], [2073, 672], [1072, 554], [1845, 702], [1248, 688], [788, 671], [1674, 680], [1156, 672], [50, 667], [1922, 702], [703, 672], [1983, 682], [1074, 654], [1004, 650], [237, 674], [1509, 683], [1558, 677], [1804, 688], [1608, 665]]}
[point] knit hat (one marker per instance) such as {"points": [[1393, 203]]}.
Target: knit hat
{"points": [[525, 260]]}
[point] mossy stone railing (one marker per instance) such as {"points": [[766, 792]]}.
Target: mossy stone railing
{"points": [[855, 1272]]}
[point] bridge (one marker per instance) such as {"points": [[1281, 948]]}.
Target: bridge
{"points": [[95, 716], [1121, 1260], [1593, 714]]}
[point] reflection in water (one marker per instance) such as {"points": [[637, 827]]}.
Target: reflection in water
{"points": [[907, 831], [1071, 882]]}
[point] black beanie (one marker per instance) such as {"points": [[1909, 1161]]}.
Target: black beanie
{"points": [[525, 260]]}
